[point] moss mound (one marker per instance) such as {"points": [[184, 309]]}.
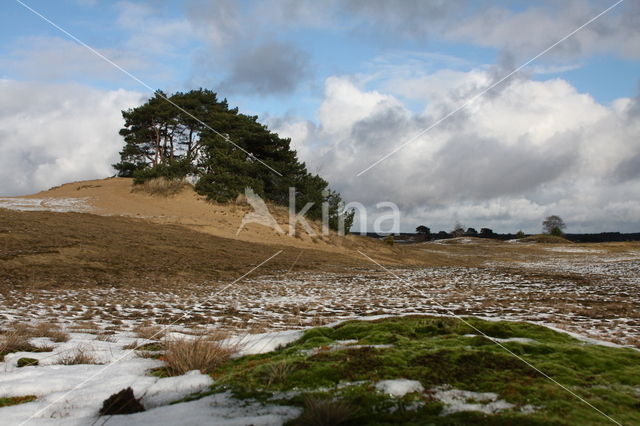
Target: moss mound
{"points": [[343, 364]]}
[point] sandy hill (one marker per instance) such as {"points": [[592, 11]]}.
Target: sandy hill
{"points": [[119, 197]]}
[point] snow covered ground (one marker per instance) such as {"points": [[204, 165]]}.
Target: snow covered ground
{"points": [[582, 292], [591, 295], [46, 204], [73, 394]]}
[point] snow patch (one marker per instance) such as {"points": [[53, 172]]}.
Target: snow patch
{"points": [[45, 204], [399, 387], [456, 400]]}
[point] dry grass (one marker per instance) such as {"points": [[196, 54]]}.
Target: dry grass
{"points": [[162, 186], [80, 355], [278, 372], [64, 250], [198, 353], [106, 337], [325, 412], [132, 345], [52, 331], [13, 341], [150, 332]]}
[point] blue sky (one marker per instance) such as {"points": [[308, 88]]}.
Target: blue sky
{"points": [[325, 73]]}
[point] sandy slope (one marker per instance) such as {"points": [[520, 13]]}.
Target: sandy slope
{"points": [[115, 196]]}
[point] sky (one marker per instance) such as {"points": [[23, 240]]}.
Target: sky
{"points": [[350, 82]]}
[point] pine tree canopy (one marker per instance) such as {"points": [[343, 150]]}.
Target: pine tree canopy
{"points": [[226, 150]]}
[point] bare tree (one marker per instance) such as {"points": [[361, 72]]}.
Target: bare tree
{"points": [[553, 225]]}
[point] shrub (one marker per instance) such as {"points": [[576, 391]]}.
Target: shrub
{"points": [[162, 186], [198, 353], [389, 240]]}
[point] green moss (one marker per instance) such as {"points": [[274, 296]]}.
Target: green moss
{"points": [[15, 400], [26, 362], [443, 351]]}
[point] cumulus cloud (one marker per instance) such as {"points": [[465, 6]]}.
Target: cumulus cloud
{"points": [[522, 31], [52, 134], [534, 148], [270, 68], [529, 31]]}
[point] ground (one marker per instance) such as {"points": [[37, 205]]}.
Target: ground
{"points": [[104, 276]]}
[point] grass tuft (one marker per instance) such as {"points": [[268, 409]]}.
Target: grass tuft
{"points": [[325, 412], [16, 342], [198, 353], [79, 355], [52, 331], [151, 332]]}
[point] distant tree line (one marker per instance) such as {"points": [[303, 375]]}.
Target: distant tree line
{"points": [[227, 151], [552, 225]]}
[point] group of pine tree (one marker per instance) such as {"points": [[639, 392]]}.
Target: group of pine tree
{"points": [[197, 134]]}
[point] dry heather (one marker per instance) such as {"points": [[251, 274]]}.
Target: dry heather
{"points": [[162, 186], [198, 353], [62, 250]]}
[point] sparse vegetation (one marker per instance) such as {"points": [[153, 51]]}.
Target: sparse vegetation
{"points": [[80, 355]]}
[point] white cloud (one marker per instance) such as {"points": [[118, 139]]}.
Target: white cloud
{"points": [[530, 149], [52, 134], [529, 31]]}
